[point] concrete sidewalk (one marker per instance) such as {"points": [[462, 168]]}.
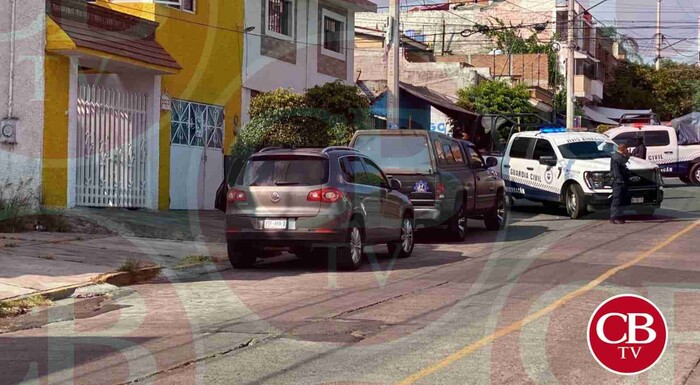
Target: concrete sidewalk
{"points": [[34, 262]]}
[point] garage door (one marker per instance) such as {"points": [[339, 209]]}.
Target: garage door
{"points": [[196, 155]]}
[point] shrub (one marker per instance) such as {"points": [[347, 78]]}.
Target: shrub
{"points": [[17, 200], [281, 99]]}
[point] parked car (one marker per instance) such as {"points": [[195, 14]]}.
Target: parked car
{"points": [[559, 167], [676, 158], [446, 179], [332, 200]]}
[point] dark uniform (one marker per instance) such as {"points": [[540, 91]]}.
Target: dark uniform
{"points": [[619, 175]]}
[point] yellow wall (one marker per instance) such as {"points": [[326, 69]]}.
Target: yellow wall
{"points": [[55, 158], [209, 47]]}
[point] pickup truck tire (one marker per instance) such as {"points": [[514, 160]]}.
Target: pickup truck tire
{"points": [[646, 211], [457, 225], [695, 174], [496, 219], [685, 180], [574, 199], [404, 247], [242, 255]]}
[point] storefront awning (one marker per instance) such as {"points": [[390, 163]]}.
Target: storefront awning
{"points": [[596, 116], [437, 100], [106, 37]]}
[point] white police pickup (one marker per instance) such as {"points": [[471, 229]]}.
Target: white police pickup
{"points": [[555, 166], [663, 148]]}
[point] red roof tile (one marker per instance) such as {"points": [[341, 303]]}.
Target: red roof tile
{"points": [[93, 27]]}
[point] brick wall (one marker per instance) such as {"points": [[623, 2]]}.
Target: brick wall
{"points": [[533, 69], [329, 65], [277, 48]]}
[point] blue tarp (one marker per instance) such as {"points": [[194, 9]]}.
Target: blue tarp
{"points": [[688, 128]]}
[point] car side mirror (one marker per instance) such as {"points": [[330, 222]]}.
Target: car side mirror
{"points": [[395, 184], [548, 160], [491, 162]]}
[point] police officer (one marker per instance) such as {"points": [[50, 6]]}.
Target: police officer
{"points": [[641, 150], [619, 175]]}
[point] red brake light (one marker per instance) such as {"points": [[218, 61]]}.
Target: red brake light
{"points": [[639, 125], [326, 195], [439, 190], [236, 196]]}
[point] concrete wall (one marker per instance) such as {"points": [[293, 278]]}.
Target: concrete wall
{"points": [[429, 23], [445, 78], [23, 161], [263, 72]]}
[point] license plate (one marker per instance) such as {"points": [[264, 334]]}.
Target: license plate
{"points": [[638, 200], [275, 224]]}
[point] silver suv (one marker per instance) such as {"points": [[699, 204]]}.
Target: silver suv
{"points": [[333, 200]]}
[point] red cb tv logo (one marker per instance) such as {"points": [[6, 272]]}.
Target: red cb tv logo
{"points": [[627, 334]]}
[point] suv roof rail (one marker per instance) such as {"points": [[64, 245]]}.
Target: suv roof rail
{"points": [[266, 149], [339, 148]]}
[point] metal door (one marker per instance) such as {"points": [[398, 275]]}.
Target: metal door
{"points": [[196, 155], [112, 148]]}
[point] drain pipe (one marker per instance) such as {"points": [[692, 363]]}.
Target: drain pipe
{"points": [[10, 96]]}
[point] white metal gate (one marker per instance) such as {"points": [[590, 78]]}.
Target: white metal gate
{"points": [[196, 154], [112, 148]]}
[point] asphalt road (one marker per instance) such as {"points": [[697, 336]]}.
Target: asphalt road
{"points": [[501, 308]]}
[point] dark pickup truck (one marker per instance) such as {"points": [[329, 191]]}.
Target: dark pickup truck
{"points": [[446, 179]]}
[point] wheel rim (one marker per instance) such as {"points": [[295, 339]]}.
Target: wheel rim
{"points": [[571, 201], [462, 222], [407, 235], [356, 245], [697, 174], [501, 212]]}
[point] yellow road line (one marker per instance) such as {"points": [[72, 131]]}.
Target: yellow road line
{"points": [[469, 349]]}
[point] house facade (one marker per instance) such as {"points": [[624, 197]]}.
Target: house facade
{"points": [[298, 44], [122, 103]]}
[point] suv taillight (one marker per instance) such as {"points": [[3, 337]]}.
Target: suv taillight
{"points": [[439, 190], [234, 195], [326, 195]]}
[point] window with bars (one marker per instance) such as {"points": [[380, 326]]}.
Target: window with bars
{"points": [[183, 5], [196, 124], [280, 17], [333, 36]]}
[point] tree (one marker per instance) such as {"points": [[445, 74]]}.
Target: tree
{"points": [[671, 92], [495, 97], [326, 115]]}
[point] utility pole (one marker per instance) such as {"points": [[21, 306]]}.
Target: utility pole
{"points": [[659, 36], [392, 106], [570, 67]]}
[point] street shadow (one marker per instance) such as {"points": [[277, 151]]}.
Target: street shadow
{"points": [[29, 359]]}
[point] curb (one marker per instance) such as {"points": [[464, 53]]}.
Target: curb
{"points": [[116, 279]]}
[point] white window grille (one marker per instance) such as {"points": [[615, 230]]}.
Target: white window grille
{"points": [[183, 5], [197, 124], [279, 19], [333, 36]]}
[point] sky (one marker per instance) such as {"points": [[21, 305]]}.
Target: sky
{"points": [[637, 18]]}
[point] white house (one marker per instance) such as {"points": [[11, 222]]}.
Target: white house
{"points": [[298, 44]]}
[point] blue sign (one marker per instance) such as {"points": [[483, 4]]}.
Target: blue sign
{"points": [[440, 127]]}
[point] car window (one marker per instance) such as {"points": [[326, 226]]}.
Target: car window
{"points": [[397, 152], [519, 148], [476, 162], [656, 139], [628, 138], [346, 170], [284, 171], [543, 148], [375, 177], [457, 153]]}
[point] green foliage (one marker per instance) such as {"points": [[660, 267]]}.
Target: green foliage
{"points": [[671, 92], [510, 41], [495, 97], [326, 115]]}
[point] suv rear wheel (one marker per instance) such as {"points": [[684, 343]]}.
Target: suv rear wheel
{"points": [[242, 255], [404, 247], [575, 205], [349, 257]]}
